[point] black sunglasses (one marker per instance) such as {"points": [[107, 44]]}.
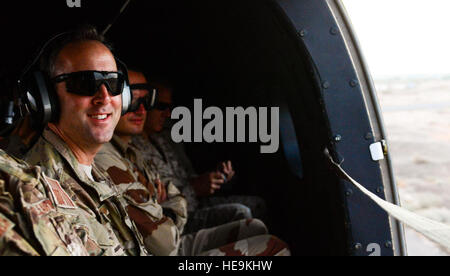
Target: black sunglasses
{"points": [[87, 83], [148, 101]]}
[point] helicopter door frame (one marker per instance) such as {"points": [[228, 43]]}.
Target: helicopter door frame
{"points": [[352, 108]]}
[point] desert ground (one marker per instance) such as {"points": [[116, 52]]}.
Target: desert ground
{"points": [[416, 113]]}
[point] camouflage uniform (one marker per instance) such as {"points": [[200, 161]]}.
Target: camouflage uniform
{"points": [[93, 209], [135, 179], [19, 205], [170, 167], [239, 238], [161, 226], [31, 223], [173, 165]]}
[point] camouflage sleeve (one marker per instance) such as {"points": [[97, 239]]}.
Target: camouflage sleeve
{"points": [[175, 207], [176, 169], [173, 185], [11, 243], [160, 233], [179, 151], [154, 159], [178, 204]]}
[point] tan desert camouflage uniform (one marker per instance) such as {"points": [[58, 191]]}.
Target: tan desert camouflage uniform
{"points": [[173, 164], [240, 238], [28, 205], [20, 197], [170, 167], [94, 209], [136, 179]]}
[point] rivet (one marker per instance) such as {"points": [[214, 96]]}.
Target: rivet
{"points": [[353, 83], [369, 136], [326, 85], [349, 193], [388, 244], [333, 31], [358, 246], [338, 138], [303, 32]]}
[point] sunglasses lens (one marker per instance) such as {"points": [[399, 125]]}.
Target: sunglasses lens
{"points": [[114, 82], [87, 83], [134, 106], [81, 84], [145, 101]]}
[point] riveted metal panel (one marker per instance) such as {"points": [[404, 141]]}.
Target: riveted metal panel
{"points": [[351, 128]]}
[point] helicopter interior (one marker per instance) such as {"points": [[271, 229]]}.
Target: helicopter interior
{"points": [[230, 54]]}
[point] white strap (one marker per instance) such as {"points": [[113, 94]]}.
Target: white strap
{"points": [[436, 231]]}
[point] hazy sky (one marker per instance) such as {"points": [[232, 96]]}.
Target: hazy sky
{"points": [[403, 37]]}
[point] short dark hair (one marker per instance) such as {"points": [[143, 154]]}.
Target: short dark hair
{"points": [[82, 33], [137, 69]]}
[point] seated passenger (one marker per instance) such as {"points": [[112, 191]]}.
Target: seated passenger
{"points": [[173, 164], [88, 87], [161, 225]]}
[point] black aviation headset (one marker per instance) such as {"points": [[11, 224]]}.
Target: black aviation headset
{"points": [[38, 94]]}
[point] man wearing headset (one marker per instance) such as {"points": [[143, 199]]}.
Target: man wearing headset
{"points": [[159, 214], [88, 90]]}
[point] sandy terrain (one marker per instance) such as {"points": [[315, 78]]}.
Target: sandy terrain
{"points": [[417, 118]]}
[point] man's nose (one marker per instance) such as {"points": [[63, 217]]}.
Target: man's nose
{"points": [[102, 96], [141, 110]]}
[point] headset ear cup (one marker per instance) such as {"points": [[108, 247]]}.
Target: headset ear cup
{"points": [[40, 98], [127, 95], [154, 98]]}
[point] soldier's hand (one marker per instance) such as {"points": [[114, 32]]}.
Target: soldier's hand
{"points": [[162, 192], [208, 183], [227, 169]]}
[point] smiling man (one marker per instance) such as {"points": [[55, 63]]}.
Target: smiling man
{"points": [[159, 213], [88, 88], [132, 123], [85, 122]]}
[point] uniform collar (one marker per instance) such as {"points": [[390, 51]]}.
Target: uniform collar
{"points": [[129, 151], [102, 185], [120, 144]]}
